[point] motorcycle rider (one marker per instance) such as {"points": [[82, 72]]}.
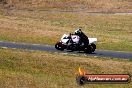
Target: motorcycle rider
{"points": [[83, 38]]}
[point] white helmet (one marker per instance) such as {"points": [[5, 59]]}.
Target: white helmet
{"points": [[78, 31]]}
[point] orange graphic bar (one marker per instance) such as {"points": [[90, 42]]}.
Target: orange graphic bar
{"points": [[103, 78]]}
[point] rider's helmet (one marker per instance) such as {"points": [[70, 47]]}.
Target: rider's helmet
{"points": [[78, 31]]}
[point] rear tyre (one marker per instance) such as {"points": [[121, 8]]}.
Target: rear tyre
{"points": [[59, 46], [88, 49], [93, 46]]}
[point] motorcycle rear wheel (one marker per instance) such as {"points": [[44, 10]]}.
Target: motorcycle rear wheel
{"points": [[88, 49]]}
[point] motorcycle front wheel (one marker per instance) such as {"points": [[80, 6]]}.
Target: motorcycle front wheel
{"points": [[59, 46]]}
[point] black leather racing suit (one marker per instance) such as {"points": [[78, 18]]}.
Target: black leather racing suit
{"points": [[83, 39]]}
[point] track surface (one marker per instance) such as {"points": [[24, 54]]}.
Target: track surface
{"points": [[99, 53]]}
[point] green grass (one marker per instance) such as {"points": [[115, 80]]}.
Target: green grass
{"points": [[112, 31], [89, 5], [34, 69]]}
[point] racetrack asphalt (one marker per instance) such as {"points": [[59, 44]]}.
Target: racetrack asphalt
{"points": [[97, 53]]}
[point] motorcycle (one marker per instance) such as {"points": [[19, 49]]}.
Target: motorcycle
{"points": [[72, 42]]}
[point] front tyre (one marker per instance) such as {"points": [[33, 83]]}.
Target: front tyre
{"points": [[59, 46]]}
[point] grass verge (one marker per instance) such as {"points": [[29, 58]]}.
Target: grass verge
{"points": [[89, 5], [112, 31], [34, 69]]}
